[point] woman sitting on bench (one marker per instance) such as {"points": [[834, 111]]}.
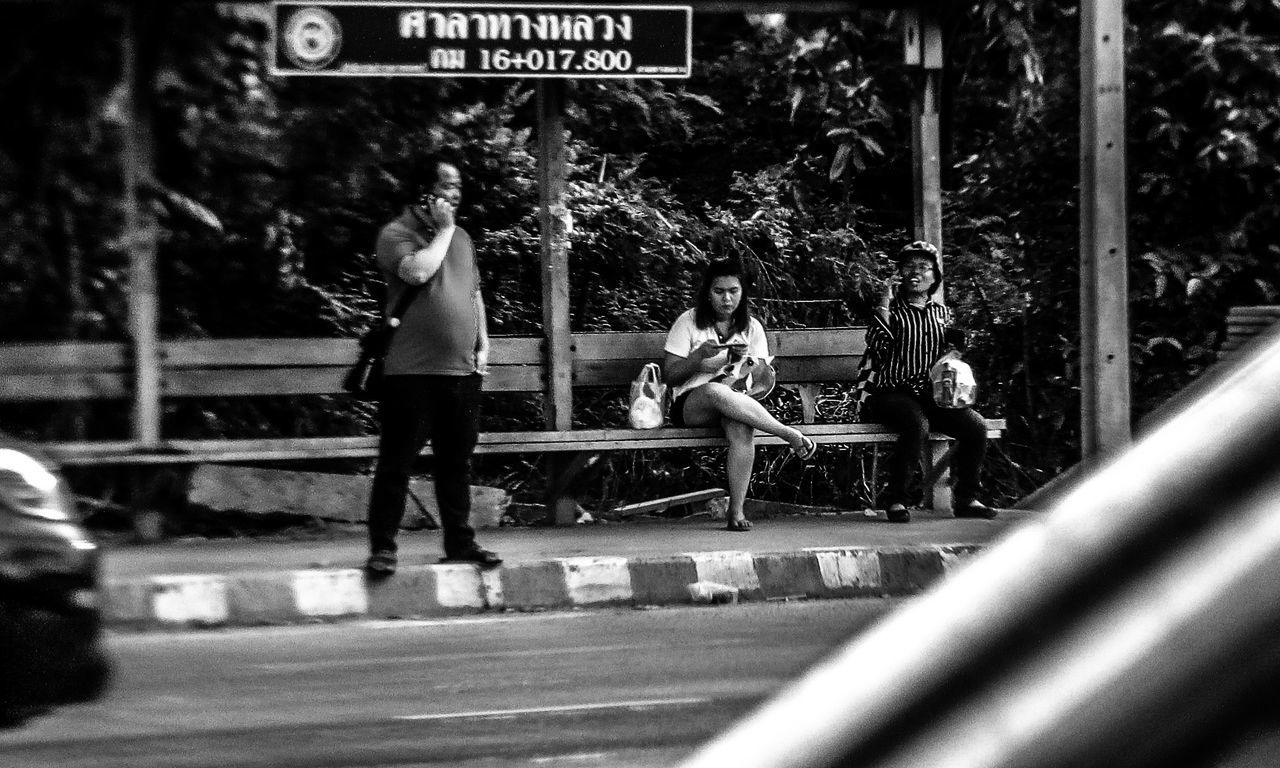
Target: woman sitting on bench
{"points": [[907, 336], [698, 347]]}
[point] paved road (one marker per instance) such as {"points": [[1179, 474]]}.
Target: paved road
{"points": [[602, 688]]}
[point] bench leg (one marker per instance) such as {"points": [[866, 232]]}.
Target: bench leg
{"points": [[937, 481], [153, 492], [565, 473]]}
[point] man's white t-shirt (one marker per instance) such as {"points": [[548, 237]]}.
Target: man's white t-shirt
{"points": [[685, 336]]}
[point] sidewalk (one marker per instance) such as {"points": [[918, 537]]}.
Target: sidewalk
{"points": [[246, 582]]}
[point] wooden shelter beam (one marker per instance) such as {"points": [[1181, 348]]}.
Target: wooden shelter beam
{"points": [[922, 51], [557, 404], [1104, 284], [137, 163], [553, 213]]}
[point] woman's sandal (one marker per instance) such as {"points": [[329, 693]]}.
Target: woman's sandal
{"points": [[738, 524], [810, 448]]}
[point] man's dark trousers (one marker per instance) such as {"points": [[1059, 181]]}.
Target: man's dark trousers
{"points": [[912, 416], [414, 409]]}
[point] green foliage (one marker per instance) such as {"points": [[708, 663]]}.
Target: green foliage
{"points": [[1205, 85], [789, 149]]}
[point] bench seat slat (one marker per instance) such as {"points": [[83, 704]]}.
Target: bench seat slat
{"points": [[265, 449]]}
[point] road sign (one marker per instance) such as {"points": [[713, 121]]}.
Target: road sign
{"points": [[481, 40]]}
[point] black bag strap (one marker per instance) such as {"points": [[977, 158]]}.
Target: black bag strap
{"points": [[402, 306], [377, 340], [406, 298]]}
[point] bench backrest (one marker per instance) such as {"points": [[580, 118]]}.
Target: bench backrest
{"points": [[1243, 325], [248, 367]]}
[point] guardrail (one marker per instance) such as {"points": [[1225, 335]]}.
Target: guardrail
{"points": [[1123, 628]]}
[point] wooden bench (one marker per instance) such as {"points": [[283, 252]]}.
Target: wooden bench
{"points": [[1243, 324], [236, 368]]}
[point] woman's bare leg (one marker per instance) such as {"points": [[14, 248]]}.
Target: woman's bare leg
{"points": [[738, 464], [709, 403]]}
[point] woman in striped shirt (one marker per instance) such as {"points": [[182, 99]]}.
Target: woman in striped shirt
{"points": [[906, 337]]}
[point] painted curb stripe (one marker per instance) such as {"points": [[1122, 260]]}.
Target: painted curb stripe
{"points": [[907, 571], [848, 568], [330, 593], [734, 568], [251, 598], [591, 580], [955, 557], [661, 581], [534, 585], [491, 587], [189, 599], [458, 586]]}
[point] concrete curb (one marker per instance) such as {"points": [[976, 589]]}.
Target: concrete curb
{"points": [[192, 601]]}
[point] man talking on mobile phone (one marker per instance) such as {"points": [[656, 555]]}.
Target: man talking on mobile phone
{"points": [[434, 366]]}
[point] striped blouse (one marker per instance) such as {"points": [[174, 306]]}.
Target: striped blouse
{"points": [[906, 347]]}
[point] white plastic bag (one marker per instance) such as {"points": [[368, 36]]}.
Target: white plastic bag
{"points": [[647, 395], [953, 382]]}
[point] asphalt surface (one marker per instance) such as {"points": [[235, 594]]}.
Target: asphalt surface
{"points": [[598, 688]]}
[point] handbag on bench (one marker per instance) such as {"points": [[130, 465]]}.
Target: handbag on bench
{"points": [[753, 375], [647, 396]]}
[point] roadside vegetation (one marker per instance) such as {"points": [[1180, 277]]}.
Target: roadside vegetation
{"points": [[788, 148]]}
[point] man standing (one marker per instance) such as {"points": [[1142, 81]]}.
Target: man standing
{"points": [[433, 369]]}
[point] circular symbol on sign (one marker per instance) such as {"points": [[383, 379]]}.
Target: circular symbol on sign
{"points": [[312, 38]]}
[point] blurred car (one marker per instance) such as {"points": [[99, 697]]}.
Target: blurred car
{"points": [[51, 648]]}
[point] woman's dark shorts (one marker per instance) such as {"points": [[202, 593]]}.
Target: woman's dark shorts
{"points": [[677, 409]]}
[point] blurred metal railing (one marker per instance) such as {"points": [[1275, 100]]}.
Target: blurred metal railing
{"points": [[1121, 628]]}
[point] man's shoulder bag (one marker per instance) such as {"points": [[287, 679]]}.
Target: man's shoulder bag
{"points": [[364, 379]]}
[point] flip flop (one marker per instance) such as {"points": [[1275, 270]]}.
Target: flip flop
{"points": [[810, 448], [741, 524]]}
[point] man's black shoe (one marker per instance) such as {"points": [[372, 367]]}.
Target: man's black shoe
{"points": [[482, 557], [974, 508], [381, 563], [898, 513]]}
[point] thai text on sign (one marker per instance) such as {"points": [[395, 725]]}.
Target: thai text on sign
{"points": [[455, 40]]}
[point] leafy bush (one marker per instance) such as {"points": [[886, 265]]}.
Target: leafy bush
{"points": [[787, 149]]}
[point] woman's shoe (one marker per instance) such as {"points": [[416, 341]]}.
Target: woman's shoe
{"points": [[898, 513], [973, 508], [809, 449]]}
